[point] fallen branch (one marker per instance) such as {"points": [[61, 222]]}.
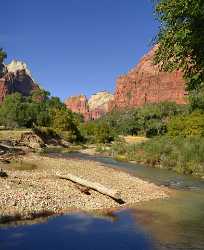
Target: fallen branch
{"points": [[93, 185]]}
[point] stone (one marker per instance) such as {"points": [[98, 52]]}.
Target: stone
{"points": [[31, 140], [99, 104], [78, 104], [145, 83], [17, 78], [92, 108]]}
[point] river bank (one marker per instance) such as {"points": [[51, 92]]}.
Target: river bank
{"points": [[33, 187]]}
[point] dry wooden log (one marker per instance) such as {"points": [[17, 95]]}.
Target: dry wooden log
{"points": [[93, 185]]}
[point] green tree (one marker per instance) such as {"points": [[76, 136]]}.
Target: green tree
{"points": [[188, 125], [181, 39], [3, 55], [10, 110]]}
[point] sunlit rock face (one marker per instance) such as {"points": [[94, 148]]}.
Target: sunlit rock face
{"points": [[16, 78], [99, 104], [92, 108], [146, 84], [18, 66], [78, 104], [143, 84]]}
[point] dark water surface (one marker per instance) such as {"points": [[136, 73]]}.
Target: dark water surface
{"points": [[176, 223]]}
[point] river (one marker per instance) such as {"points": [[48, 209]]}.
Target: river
{"points": [[176, 223]]}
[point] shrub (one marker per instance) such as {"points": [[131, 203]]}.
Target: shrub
{"points": [[97, 132], [149, 120], [183, 155], [189, 125]]}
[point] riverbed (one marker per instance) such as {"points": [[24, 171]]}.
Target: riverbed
{"points": [[174, 223]]}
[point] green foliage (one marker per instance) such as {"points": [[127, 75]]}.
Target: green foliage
{"points": [[183, 155], [196, 98], [45, 133], [97, 132], [150, 120], [18, 111], [3, 55], [10, 111], [181, 43], [189, 125]]}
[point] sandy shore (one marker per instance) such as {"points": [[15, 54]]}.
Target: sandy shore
{"points": [[28, 192]]}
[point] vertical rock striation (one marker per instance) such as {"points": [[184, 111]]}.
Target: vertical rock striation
{"points": [[146, 84]]}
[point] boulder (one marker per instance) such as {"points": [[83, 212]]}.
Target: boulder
{"points": [[31, 140]]}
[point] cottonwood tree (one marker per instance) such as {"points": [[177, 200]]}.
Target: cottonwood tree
{"points": [[181, 39]]}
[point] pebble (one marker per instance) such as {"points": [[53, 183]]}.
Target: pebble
{"points": [[25, 192]]}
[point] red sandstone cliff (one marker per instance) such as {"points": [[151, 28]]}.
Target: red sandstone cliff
{"points": [[146, 84], [78, 104], [17, 78], [143, 84], [92, 108]]}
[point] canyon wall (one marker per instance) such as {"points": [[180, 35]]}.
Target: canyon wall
{"points": [[146, 84], [92, 108]]}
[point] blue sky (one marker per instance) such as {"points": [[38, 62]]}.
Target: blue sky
{"points": [[77, 46]]}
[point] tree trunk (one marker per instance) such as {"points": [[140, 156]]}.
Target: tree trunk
{"points": [[93, 185]]}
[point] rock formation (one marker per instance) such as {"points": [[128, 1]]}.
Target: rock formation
{"points": [[92, 108], [146, 84], [16, 78], [78, 104], [99, 104]]}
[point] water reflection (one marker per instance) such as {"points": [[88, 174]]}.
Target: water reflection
{"points": [[177, 223], [78, 232], [173, 224]]}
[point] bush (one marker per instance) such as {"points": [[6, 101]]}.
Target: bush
{"points": [[149, 120], [97, 132], [183, 155], [189, 125], [46, 133]]}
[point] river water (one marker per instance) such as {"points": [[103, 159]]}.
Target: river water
{"points": [[176, 223]]}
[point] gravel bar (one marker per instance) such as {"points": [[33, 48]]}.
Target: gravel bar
{"points": [[26, 193]]}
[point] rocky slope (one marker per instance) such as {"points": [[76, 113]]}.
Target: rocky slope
{"points": [[141, 85], [146, 84], [16, 77], [92, 108]]}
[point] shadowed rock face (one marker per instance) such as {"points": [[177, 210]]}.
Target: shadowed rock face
{"points": [[146, 84], [16, 78], [91, 109]]}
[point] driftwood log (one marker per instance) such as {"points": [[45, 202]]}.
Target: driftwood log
{"points": [[93, 185]]}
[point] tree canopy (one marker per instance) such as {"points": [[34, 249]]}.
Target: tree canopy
{"points": [[181, 39]]}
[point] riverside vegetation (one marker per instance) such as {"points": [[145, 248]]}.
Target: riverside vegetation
{"points": [[176, 132]]}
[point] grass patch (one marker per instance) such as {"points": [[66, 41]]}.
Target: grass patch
{"points": [[134, 139], [183, 155]]}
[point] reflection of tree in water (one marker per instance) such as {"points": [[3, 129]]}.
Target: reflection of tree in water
{"points": [[17, 220], [104, 214], [174, 224]]}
